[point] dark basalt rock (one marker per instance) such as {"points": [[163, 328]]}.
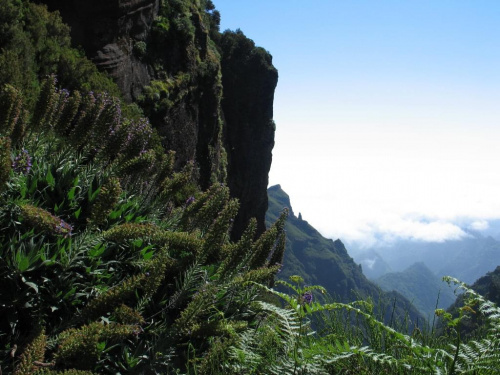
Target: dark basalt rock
{"points": [[249, 80], [107, 30]]}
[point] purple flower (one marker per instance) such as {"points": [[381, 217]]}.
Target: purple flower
{"points": [[22, 162], [64, 228], [64, 96], [190, 200], [307, 297]]}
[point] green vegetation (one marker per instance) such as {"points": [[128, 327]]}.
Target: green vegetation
{"points": [[113, 260], [324, 336], [110, 260], [321, 261], [417, 283], [35, 43], [487, 286]]}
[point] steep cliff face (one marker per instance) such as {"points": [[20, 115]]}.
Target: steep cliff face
{"points": [[159, 56], [204, 97], [249, 80], [183, 98]]}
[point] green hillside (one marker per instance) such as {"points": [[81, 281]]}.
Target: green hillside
{"points": [[489, 287], [466, 259], [422, 287], [322, 261]]}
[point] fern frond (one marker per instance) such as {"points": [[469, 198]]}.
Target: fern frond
{"points": [[186, 284], [288, 320]]}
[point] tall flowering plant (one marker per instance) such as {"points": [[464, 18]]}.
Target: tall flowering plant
{"points": [[22, 162]]}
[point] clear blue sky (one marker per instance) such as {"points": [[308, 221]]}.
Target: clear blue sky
{"points": [[387, 112]]}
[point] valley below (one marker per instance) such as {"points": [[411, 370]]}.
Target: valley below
{"points": [[409, 271]]}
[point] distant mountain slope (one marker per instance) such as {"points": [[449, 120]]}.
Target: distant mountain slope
{"points": [[325, 262], [372, 263], [489, 287], [420, 286], [467, 259]]}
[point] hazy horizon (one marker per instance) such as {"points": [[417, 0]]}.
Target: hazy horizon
{"points": [[386, 113]]}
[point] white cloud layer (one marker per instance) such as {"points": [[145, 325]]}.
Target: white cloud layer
{"points": [[364, 185], [479, 225], [382, 233], [369, 263]]}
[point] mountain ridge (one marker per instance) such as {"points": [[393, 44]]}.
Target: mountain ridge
{"points": [[467, 259], [326, 262], [421, 286]]}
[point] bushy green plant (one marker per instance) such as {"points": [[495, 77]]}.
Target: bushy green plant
{"points": [[285, 341], [108, 266], [33, 353], [35, 43]]}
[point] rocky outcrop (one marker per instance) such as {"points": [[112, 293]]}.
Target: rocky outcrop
{"points": [[204, 99], [183, 100], [249, 80]]}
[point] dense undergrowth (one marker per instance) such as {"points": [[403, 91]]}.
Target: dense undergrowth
{"points": [[111, 262], [35, 43]]}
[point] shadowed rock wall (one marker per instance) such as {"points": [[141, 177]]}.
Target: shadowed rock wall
{"points": [[249, 80], [108, 30]]}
